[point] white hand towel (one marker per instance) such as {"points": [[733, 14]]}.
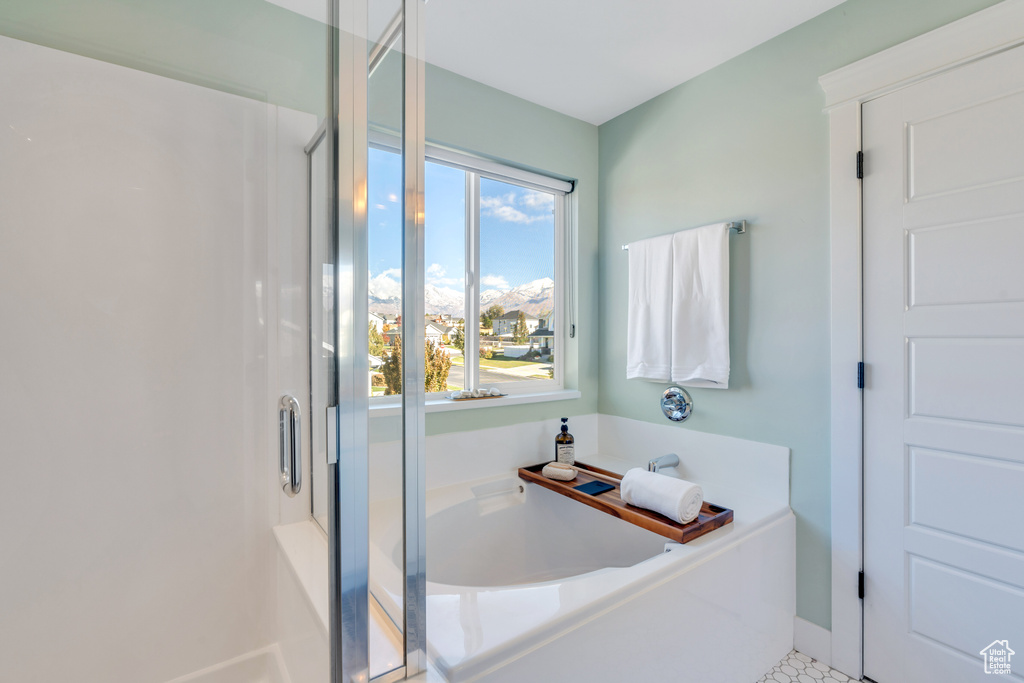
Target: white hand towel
{"points": [[649, 316], [677, 499], [700, 307]]}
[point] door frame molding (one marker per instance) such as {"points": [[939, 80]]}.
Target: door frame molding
{"points": [[979, 35]]}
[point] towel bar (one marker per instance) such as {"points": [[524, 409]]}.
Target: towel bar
{"points": [[740, 227]]}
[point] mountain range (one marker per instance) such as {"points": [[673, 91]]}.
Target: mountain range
{"points": [[534, 298]]}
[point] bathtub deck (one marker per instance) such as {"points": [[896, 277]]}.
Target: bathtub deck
{"points": [[711, 516]]}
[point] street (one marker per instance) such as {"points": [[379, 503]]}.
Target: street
{"points": [[488, 376]]}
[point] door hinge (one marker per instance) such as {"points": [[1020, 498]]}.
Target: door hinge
{"points": [[860, 165], [860, 585], [860, 375]]}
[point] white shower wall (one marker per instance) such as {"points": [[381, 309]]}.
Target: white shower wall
{"points": [[141, 266]]}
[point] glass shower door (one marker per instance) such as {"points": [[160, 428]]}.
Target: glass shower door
{"points": [[155, 293], [369, 249]]}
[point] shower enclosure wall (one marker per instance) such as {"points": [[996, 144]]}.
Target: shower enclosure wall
{"points": [[172, 263]]}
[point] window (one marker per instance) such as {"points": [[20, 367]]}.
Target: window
{"points": [[494, 283]]}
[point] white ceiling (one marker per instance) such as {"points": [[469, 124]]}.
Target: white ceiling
{"points": [[595, 59]]}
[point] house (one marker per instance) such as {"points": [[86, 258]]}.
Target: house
{"points": [[997, 657], [503, 326], [432, 332], [378, 321], [543, 340], [435, 332]]}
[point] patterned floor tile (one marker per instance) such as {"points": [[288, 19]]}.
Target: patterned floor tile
{"points": [[797, 667]]}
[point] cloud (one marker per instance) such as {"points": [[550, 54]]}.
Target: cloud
{"points": [[436, 276], [387, 285], [494, 281], [539, 200], [503, 208]]}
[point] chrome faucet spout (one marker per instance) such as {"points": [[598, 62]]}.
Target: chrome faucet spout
{"points": [[670, 460]]}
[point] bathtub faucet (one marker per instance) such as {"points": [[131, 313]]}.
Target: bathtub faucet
{"points": [[670, 460]]}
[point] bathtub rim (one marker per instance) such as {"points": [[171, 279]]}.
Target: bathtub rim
{"points": [[469, 670]]}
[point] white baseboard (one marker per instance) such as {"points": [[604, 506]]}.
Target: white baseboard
{"points": [[812, 640]]}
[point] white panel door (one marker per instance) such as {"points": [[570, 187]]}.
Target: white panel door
{"points": [[944, 397]]}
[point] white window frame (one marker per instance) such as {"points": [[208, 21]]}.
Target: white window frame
{"points": [[475, 169]]}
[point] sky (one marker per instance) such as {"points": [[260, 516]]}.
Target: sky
{"points": [[516, 229]]}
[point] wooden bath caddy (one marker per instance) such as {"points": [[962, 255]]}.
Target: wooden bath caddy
{"points": [[710, 518]]}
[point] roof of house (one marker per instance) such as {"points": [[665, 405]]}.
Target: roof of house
{"points": [[512, 315], [542, 332]]}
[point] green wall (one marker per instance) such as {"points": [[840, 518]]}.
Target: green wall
{"points": [[748, 140]]}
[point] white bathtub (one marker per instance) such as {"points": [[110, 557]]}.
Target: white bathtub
{"points": [[524, 584]]}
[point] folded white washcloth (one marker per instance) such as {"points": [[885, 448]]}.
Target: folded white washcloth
{"points": [[677, 499], [556, 470]]}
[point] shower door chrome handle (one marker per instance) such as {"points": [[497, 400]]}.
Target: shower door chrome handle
{"points": [[290, 426]]}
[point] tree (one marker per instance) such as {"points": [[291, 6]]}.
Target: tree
{"points": [[376, 341], [392, 368], [493, 312], [520, 332], [458, 339], [437, 365]]}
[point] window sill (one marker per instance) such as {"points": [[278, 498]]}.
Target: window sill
{"points": [[443, 405]]}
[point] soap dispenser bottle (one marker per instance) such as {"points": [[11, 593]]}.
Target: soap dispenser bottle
{"points": [[564, 445]]}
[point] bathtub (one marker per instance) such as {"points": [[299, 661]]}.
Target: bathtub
{"points": [[524, 584]]}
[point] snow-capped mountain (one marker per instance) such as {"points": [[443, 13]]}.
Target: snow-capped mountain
{"points": [[443, 300], [436, 300], [532, 297]]}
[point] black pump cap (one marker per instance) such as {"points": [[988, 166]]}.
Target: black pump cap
{"points": [[565, 424]]}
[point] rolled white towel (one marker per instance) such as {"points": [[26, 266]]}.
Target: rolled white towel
{"points": [[677, 499], [556, 470]]}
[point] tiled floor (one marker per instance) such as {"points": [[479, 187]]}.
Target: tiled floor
{"points": [[799, 668]]}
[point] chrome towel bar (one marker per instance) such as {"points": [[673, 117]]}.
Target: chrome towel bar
{"points": [[739, 227]]}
